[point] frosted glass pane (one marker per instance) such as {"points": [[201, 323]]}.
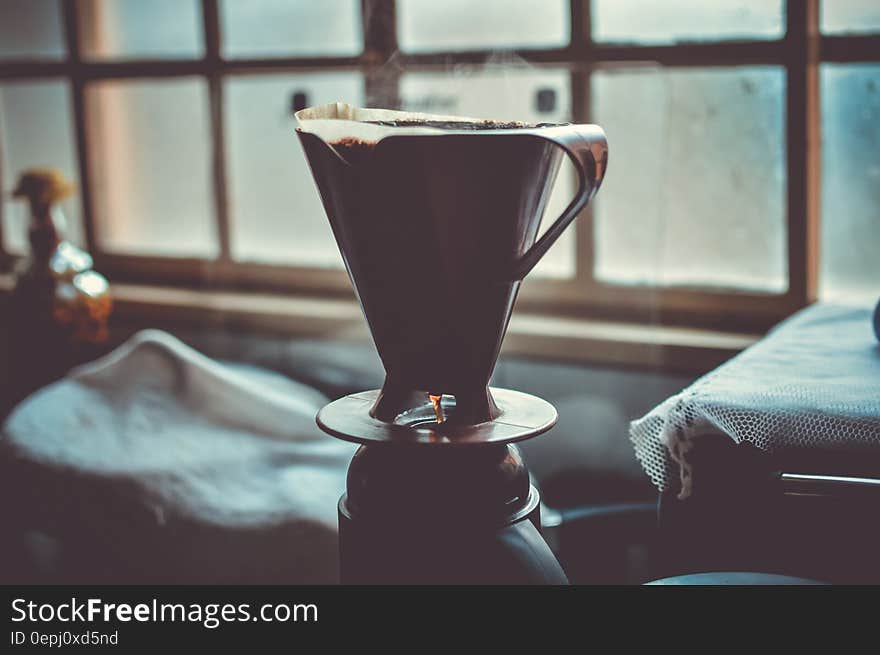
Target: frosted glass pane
{"points": [[467, 25], [267, 28], [695, 190], [849, 16], [36, 130], [850, 246], [134, 28], [276, 212], [686, 20], [31, 29], [150, 160], [507, 94]]}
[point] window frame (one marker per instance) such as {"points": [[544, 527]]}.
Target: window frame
{"points": [[799, 52]]}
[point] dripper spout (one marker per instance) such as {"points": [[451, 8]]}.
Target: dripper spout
{"points": [[400, 404]]}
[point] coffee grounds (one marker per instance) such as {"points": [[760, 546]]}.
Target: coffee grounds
{"points": [[463, 125], [355, 150]]}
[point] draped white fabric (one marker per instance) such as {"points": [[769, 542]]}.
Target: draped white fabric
{"points": [[201, 443], [812, 382]]}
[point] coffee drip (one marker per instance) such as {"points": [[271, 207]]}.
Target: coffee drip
{"points": [[436, 400]]}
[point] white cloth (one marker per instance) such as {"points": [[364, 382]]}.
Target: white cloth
{"points": [[207, 444], [813, 381]]}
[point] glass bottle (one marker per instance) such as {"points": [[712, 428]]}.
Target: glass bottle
{"points": [[60, 306]]}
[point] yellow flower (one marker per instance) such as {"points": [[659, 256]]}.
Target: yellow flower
{"points": [[43, 185]]}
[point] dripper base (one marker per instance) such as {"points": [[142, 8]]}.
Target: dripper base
{"points": [[521, 416]]}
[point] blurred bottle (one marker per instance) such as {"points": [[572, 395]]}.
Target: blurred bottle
{"points": [[59, 306]]}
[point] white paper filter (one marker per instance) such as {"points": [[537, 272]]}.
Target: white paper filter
{"points": [[339, 120]]}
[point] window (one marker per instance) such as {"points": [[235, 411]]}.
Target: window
{"points": [[744, 136]]}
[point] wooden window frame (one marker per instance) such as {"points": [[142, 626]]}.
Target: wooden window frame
{"points": [[799, 51]]}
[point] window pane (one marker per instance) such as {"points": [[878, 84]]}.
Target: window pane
{"points": [[850, 257], [849, 16], [134, 28], [150, 160], [272, 28], [507, 94], [275, 210], [36, 130], [686, 20], [31, 29], [466, 25], [698, 193]]}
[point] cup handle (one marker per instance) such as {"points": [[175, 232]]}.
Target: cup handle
{"points": [[587, 148]]}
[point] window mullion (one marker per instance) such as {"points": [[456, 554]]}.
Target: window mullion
{"points": [[581, 31], [582, 42], [584, 233], [803, 149], [379, 24], [213, 68], [80, 121]]}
